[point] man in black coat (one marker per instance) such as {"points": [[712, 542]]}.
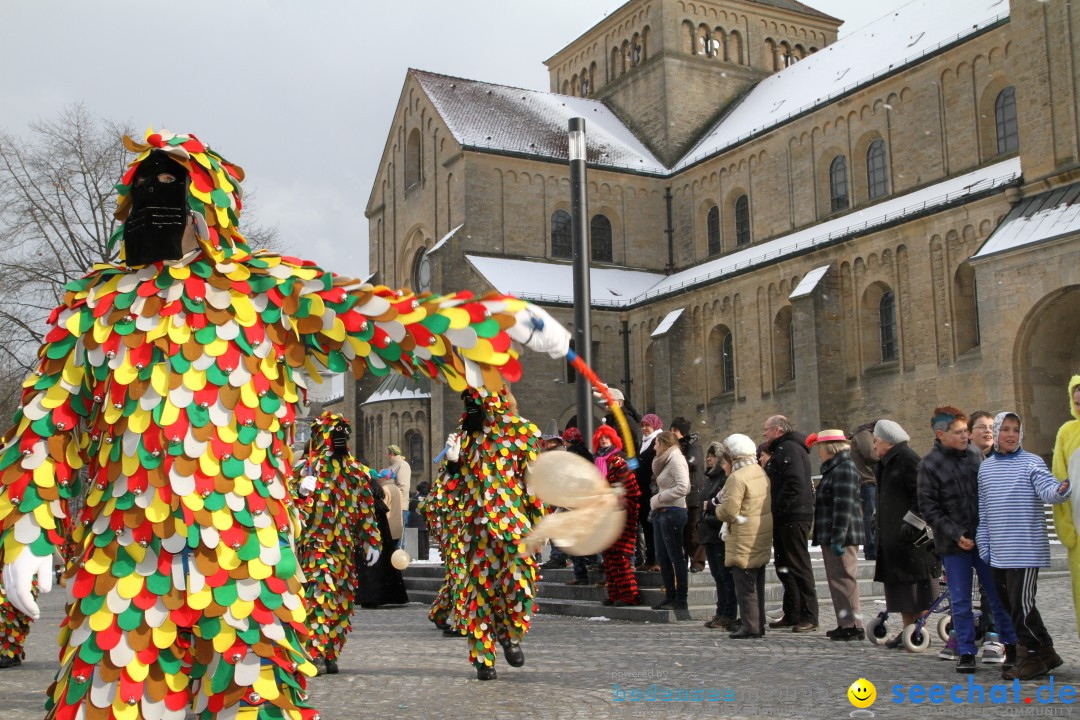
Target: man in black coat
{"points": [[695, 460], [793, 514]]}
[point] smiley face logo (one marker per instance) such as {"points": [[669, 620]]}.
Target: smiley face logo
{"points": [[862, 693]]}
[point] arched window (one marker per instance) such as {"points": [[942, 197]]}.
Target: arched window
{"points": [[600, 236], [727, 364], [838, 185], [1008, 134], [742, 220], [562, 242], [421, 274], [877, 183], [713, 229], [415, 442], [412, 159], [887, 323]]}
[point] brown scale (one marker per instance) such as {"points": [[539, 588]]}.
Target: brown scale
{"points": [[229, 396], [105, 582], [185, 466], [203, 434], [152, 306], [93, 712], [218, 317], [290, 304], [234, 694], [154, 686], [192, 350], [140, 638], [134, 340], [109, 672], [219, 281], [174, 599]]}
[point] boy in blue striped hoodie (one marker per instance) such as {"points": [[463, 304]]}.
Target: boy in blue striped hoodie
{"points": [[1013, 486]]}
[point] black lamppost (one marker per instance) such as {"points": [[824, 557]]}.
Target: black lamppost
{"points": [[579, 213]]}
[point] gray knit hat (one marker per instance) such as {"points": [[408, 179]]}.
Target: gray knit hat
{"points": [[890, 432]]}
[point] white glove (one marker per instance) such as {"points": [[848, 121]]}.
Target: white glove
{"points": [[724, 532], [19, 581], [307, 485], [453, 447], [372, 556], [538, 331]]}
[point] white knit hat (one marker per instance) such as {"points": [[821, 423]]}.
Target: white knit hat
{"points": [[891, 432], [739, 445]]}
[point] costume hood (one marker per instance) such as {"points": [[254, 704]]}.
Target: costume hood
{"points": [[323, 429], [1000, 418], [214, 194], [1073, 384]]}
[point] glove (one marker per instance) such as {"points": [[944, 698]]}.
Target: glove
{"points": [[19, 581], [725, 531], [372, 556], [537, 330], [307, 485], [716, 501], [453, 447], [838, 549]]}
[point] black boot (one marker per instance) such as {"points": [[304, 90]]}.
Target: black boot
{"points": [[331, 667], [9, 662], [512, 652], [485, 672]]}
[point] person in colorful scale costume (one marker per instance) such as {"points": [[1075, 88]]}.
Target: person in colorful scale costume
{"points": [[492, 577], [337, 516], [437, 510], [1066, 466], [173, 378], [622, 587]]}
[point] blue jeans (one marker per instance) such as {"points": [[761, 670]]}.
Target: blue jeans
{"points": [[869, 507], [668, 524], [958, 568], [726, 606]]}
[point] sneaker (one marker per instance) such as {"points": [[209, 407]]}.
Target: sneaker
{"points": [[895, 643], [966, 663], [949, 651], [993, 652]]}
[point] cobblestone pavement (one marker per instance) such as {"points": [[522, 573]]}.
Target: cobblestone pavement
{"points": [[396, 665]]}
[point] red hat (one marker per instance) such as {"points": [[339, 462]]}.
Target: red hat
{"points": [[608, 432], [572, 435], [826, 436]]}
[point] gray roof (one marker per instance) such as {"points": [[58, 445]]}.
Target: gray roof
{"points": [[506, 119], [398, 387], [1045, 216]]}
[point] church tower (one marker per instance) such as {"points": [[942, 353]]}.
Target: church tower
{"points": [[670, 68]]}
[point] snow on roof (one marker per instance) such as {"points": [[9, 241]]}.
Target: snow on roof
{"points": [[399, 387], [667, 322], [899, 38], [544, 281], [445, 238], [860, 221], [1044, 216], [809, 282], [509, 119]]}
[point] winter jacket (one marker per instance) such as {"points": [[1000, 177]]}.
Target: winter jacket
{"points": [[862, 454], [644, 471], [709, 525], [695, 461], [672, 478], [789, 478], [746, 495], [898, 560], [393, 499], [1012, 526], [1066, 456], [838, 514], [949, 494]]}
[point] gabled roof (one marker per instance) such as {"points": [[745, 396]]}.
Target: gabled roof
{"points": [[499, 118], [398, 387], [900, 38], [1045, 216], [544, 281]]}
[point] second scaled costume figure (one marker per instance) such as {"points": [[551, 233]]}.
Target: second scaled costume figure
{"points": [[492, 580], [622, 587], [336, 506]]}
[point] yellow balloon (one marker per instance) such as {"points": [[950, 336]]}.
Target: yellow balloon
{"points": [[400, 559]]}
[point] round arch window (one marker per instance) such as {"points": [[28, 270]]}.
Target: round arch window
{"points": [[421, 275]]}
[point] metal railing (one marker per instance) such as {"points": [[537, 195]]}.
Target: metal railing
{"points": [[846, 231]]}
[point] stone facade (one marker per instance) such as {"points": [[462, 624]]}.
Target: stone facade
{"points": [[981, 334]]}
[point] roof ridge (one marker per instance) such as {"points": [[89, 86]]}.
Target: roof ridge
{"points": [[417, 71]]}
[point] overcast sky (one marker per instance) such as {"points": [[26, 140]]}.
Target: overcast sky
{"points": [[301, 94]]}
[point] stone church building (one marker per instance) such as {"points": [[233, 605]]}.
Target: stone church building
{"points": [[780, 221]]}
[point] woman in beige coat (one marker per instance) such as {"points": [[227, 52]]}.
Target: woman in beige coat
{"points": [[744, 505]]}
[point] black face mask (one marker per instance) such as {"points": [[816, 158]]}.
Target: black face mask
{"points": [[474, 414], [154, 229], [339, 440]]}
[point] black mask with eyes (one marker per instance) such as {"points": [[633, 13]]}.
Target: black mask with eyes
{"points": [[474, 413], [154, 229], [339, 440]]}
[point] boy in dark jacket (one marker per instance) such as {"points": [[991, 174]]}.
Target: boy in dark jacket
{"points": [[788, 469]]}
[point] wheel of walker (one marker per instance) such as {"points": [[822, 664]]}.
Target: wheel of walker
{"points": [[877, 631], [944, 625], [916, 639]]}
